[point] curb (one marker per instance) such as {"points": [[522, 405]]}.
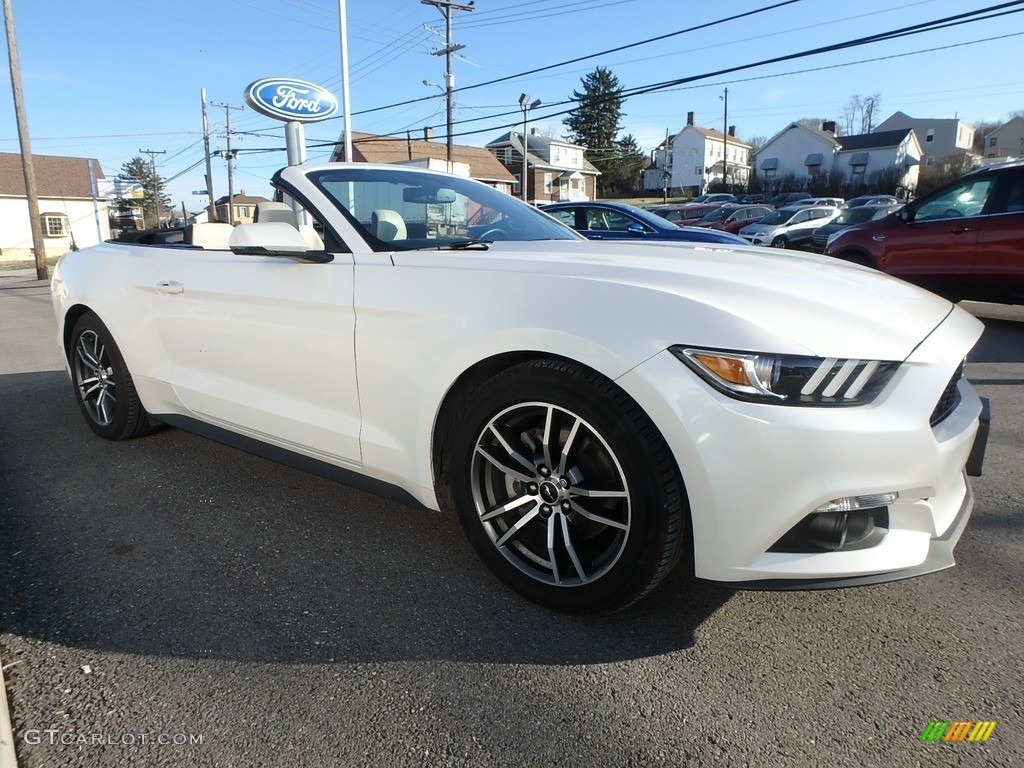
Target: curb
{"points": [[7, 756]]}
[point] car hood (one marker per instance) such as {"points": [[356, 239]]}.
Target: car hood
{"points": [[740, 297]]}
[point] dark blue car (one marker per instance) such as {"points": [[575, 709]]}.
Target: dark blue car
{"points": [[620, 221]]}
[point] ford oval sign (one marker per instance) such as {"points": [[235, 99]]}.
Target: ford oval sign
{"points": [[284, 98]]}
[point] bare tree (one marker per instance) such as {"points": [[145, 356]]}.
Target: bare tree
{"points": [[756, 142], [860, 111]]}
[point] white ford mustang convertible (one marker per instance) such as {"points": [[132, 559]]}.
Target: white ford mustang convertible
{"points": [[594, 412]]}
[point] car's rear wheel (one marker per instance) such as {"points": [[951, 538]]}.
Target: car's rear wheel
{"points": [[103, 385], [565, 488], [780, 242]]}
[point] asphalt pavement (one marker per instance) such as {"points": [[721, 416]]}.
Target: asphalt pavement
{"points": [[173, 602]]}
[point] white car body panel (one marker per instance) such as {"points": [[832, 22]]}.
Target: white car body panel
{"points": [[349, 363]]}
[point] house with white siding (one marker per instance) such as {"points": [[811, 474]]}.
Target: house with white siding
{"points": [[71, 213], [803, 153], [937, 137]]}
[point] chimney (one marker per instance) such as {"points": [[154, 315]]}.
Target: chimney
{"points": [[428, 133], [732, 131], [534, 131], [689, 118], [829, 126]]}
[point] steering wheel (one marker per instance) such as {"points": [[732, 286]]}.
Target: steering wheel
{"points": [[494, 234], [951, 213]]}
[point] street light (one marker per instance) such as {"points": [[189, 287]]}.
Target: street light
{"points": [[526, 105]]}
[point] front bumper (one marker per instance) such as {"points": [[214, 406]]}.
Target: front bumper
{"points": [[752, 472]]}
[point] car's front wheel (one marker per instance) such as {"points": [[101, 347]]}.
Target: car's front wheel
{"points": [[103, 385], [780, 242], [565, 488]]}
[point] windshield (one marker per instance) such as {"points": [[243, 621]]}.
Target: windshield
{"points": [[700, 199], [777, 217], [717, 215], [856, 215], [402, 209]]}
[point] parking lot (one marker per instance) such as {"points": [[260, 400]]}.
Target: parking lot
{"points": [[170, 601]]}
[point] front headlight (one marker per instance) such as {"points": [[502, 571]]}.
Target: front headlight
{"points": [[788, 379]]}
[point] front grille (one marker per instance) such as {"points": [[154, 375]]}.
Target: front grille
{"points": [[950, 398]]}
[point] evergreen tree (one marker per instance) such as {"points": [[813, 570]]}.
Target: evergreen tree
{"points": [[624, 171], [595, 123], [140, 170]]}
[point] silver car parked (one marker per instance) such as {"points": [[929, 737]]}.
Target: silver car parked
{"points": [[789, 227]]}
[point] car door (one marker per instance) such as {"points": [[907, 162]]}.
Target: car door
{"points": [[262, 345], [609, 224], [935, 240], [999, 253]]}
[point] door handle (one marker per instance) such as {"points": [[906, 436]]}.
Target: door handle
{"points": [[169, 286], [960, 230]]}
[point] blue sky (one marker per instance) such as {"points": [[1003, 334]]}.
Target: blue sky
{"points": [[105, 80]]}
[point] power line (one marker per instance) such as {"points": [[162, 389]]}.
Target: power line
{"points": [[649, 40]]}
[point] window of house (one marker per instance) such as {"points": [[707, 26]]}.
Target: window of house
{"points": [[242, 211], [508, 156], [769, 173], [857, 170], [992, 141], [55, 225], [548, 178], [930, 136], [698, 170], [515, 185], [930, 160]]}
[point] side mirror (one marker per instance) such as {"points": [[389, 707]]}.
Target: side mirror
{"points": [[274, 238], [906, 214], [636, 230]]}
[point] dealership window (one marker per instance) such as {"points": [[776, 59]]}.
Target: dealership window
{"points": [[55, 225]]}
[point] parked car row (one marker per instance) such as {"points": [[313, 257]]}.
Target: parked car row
{"points": [[963, 241], [619, 221]]}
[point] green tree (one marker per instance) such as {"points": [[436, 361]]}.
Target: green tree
{"points": [[595, 123], [139, 169], [623, 173]]}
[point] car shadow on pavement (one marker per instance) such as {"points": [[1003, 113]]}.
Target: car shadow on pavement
{"points": [[174, 545]]}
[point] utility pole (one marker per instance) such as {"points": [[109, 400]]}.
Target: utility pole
{"points": [[725, 142], [156, 182], [212, 215], [446, 7], [35, 223], [229, 155], [666, 174]]}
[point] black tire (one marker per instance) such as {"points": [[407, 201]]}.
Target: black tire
{"points": [[856, 258], [560, 546], [102, 383], [780, 242]]}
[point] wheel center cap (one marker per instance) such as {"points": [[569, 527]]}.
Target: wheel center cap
{"points": [[550, 491]]}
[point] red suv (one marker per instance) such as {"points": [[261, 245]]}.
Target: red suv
{"points": [[964, 240]]}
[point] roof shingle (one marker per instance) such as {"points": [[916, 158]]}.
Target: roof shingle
{"points": [[55, 176]]}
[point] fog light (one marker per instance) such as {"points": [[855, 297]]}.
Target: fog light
{"points": [[853, 503], [836, 531]]}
